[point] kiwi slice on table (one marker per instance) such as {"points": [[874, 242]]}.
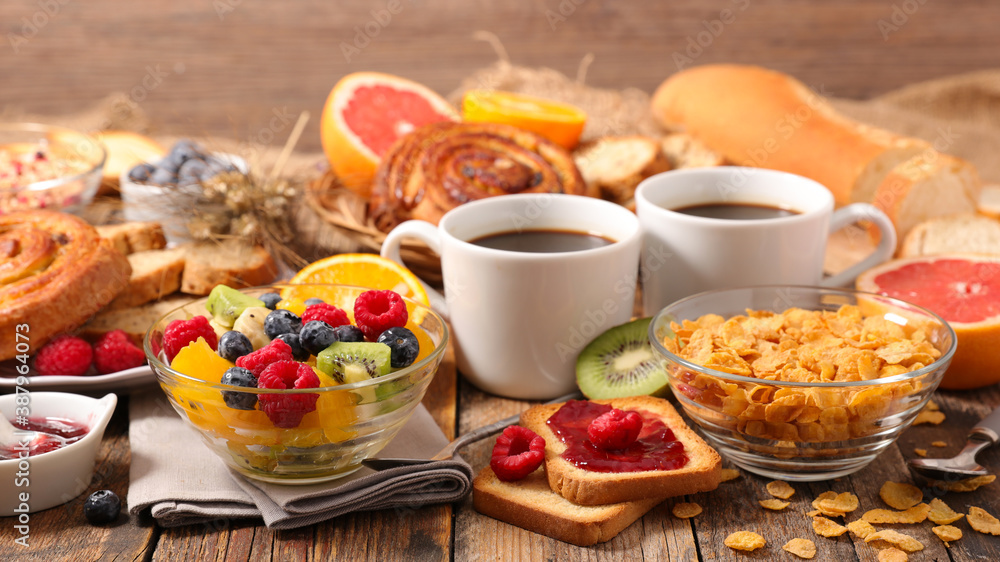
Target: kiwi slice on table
{"points": [[225, 304], [620, 362]]}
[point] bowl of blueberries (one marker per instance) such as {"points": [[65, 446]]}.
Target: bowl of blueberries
{"points": [[153, 191]]}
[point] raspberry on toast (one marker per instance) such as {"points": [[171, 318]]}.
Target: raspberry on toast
{"points": [[701, 473]]}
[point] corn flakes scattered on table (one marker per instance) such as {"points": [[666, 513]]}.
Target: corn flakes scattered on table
{"points": [[915, 514], [827, 528], [686, 510], [947, 534], [897, 539], [920, 452], [981, 520], [745, 540], [860, 528], [900, 495], [774, 504], [803, 548], [729, 474], [892, 555], [942, 514], [780, 489], [967, 485], [938, 444]]}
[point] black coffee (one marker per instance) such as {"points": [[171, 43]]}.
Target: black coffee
{"points": [[736, 211], [542, 241]]}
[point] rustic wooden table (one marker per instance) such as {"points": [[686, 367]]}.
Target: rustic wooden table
{"points": [[457, 532]]}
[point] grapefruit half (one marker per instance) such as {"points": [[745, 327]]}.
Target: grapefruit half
{"points": [[964, 289], [365, 113]]}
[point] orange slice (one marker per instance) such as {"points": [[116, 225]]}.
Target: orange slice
{"points": [[362, 270], [561, 123], [365, 113]]}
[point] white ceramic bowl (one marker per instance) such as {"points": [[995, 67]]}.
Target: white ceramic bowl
{"points": [[56, 477]]}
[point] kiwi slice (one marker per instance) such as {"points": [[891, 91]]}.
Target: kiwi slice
{"points": [[620, 362], [225, 304], [355, 362]]}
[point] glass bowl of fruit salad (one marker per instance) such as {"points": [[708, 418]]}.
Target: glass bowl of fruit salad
{"points": [[297, 384], [47, 167]]}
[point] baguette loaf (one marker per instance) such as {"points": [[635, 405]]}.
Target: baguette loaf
{"points": [[531, 505], [967, 232], [584, 487], [766, 119]]}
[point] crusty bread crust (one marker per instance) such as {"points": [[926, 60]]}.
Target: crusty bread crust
{"points": [[232, 262], [965, 232], [766, 119], [701, 474], [614, 166], [531, 505], [134, 321], [155, 274], [131, 237]]}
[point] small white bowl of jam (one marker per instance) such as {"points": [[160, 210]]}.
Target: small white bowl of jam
{"points": [[42, 473]]}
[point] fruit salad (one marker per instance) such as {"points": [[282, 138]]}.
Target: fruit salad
{"points": [[249, 363]]}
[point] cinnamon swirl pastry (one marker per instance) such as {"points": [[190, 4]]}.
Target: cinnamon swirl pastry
{"points": [[55, 273], [442, 165]]}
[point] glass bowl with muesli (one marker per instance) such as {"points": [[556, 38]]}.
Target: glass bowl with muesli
{"points": [[48, 167], [801, 383]]}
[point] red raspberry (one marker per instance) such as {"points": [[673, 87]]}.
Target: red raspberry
{"points": [[517, 453], [615, 429], [286, 410], [377, 311], [273, 352], [180, 333], [114, 352], [66, 355], [325, 313]]}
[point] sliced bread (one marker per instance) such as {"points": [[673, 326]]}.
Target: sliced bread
{"points": [[155, 274], [230, 262], [966, 232], [684, 151], [131, 237], [701, 473], [616, 165], [531, 505], [134, 321]]}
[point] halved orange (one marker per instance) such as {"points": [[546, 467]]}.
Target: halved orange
{"points": [[558, 122], [362, 270], [365, 113]]}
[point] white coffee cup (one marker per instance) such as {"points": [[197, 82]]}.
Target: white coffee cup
{"points": [[521, 318], [684, 254]]}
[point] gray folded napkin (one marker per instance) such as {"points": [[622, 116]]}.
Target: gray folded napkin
{"points": [[182, 482]]}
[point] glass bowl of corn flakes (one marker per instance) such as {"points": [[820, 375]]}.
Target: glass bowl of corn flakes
{"points": [[801, 383], [48, 167]]}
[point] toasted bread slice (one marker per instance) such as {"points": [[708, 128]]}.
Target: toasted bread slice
{"points": [[531, 505], [231, 262], [131, 237], [584, 487], [684, 151], [616, 165]]}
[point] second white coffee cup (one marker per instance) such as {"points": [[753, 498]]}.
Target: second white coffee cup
{"points": [[520, 318]]}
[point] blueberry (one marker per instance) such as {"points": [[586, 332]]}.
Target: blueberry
{"points": [[349, 333], [238, 376], [191, 171], [233, 345], [163, 176], [214, 167], [141, 173], [403, 344], [312, 301], [103, 506], [294, 342], [281, 321], [316, 336], [271, 300], [186, 149]]}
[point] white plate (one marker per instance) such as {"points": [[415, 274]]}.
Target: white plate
{"points": [[120, 381]]}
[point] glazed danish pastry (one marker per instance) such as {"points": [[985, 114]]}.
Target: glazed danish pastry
{"points": [[55, 273], [442, 165]]}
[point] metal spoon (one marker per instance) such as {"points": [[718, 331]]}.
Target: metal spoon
{"points": [[459, 442], [963, 465]]}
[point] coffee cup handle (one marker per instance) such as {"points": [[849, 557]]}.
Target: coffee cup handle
{"points": [[851, 214], [426, 233]]}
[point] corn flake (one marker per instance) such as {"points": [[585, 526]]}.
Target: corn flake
{"points": [[938, 444], [942, 514], [774, 504], [780, 489], [745, 540], [685, 510], [967, 485], [900, 496], [729, 474], [827, 528], [803, 548], [915, 514], [934, 417], [844, 502], [892, 555], [897, 539], [860, 528], [920, 452], [947, 533], [980, 520]]}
